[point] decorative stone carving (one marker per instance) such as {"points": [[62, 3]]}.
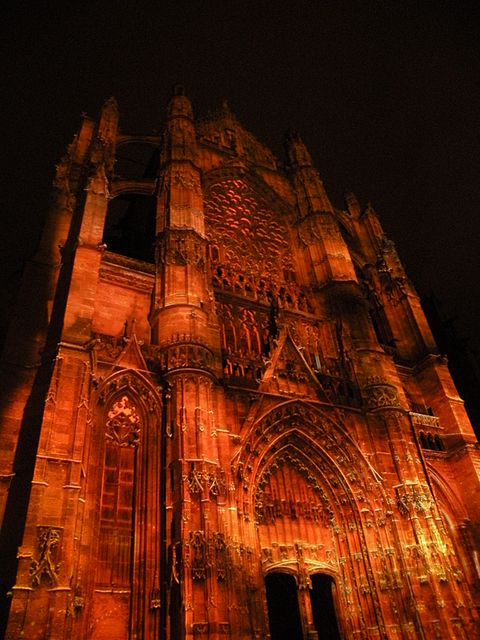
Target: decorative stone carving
{"points": [[221, 556], [381, 395], [424, 420], [97, 182], [207, 479], [253, 238], [304, 580], [181, 247], [46, 567], [309, 231], [200, 628], [106, 348], [116, 274], [155, 601], [413, 499], [186, 179], [123, 423], [78, 602], [181, 353], [199, 555], [224, 628], [269, 506], [129, 381]]}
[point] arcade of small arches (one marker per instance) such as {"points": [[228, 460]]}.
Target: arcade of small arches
{"points": [[430, 441]]}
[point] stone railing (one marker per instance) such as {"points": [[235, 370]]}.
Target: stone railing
{"points": [[424, 420]]}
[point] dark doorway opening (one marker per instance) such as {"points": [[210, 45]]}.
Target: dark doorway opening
{"points": [[283, 611], [323, 608]]}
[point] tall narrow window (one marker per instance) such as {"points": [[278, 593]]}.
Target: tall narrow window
{"points": [[117, 501]]}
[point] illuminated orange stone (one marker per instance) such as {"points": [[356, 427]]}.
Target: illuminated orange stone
{"points": [[223, 412]]}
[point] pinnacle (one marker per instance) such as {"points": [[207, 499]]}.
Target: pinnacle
{"points": [[111, 102]]}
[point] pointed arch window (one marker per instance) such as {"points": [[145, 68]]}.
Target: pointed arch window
{"points": [[117, 498]]}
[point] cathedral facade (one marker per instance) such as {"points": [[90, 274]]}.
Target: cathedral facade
{"points": [[223, 412]]}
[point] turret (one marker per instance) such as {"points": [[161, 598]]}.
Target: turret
{"points": [[184, 326], [182, 281], [180, 203]]}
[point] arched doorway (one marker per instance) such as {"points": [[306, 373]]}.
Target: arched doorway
{"points": [[323, 607], [304, 478], [283, 611]]}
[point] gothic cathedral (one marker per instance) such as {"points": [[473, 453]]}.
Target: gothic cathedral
{"points": [[223, 413]]}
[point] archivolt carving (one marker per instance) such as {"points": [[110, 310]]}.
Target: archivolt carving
{"points": [[311, 505], [322, 452], [321, 428], [445, 496]]}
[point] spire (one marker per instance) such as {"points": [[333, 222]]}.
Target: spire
{"points": [[179, 104], [180, 202], [108, 123], [297, 152], [353, 205], [226, 111], [106, 135], [311, 194]]}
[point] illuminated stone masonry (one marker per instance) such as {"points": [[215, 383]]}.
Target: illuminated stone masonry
{"points": [[223, 412]]}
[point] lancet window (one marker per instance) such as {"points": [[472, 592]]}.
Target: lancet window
{"points": [[117, 500]]}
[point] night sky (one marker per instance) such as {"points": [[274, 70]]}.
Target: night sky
{"points": [[386, 96]]}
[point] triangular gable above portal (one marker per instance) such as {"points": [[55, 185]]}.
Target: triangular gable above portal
{"points": [[288, 373], [131, 356]]}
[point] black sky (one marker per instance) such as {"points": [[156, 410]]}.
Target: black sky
{"points": [[385, 94]]}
